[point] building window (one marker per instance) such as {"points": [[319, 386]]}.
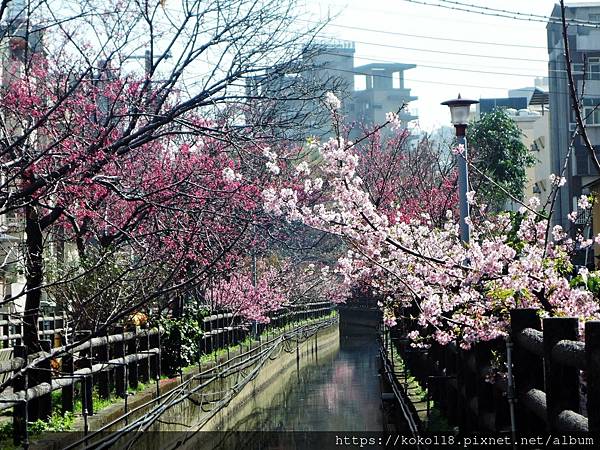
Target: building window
{"points": [[591, 115], [593, 68], [595, 18]]}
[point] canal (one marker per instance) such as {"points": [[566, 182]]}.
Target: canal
{"points": [[332, 388]]}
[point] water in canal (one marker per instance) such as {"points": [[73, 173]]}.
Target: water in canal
{"points": [[334, 388]]}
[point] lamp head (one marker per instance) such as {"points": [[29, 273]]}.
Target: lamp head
{"points": [[459, 109]]}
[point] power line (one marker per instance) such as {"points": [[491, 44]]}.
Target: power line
{"points": [[383, 60], [510, 15], [392, 33], [540, 16], [474, 55], [435, 38], [426, 63], [445, 52], [375, 58], [379, 44], [444, 83], [403, 14], [337, 69]]}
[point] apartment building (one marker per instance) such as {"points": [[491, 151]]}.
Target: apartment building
{"points": [[584, 45]]}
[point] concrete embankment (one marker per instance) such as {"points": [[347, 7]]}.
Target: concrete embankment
{"points": [[207, 397]]}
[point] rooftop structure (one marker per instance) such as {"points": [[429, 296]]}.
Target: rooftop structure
{"points": [[384, 92]]}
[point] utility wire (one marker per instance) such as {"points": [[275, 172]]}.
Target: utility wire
{"points": [[444, 52], [421, 36], [474, 55], [455, 68], [509, 15], [505, 11], [443, 83]]}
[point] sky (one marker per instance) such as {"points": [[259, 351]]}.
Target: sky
{"points": [[513, 55]]}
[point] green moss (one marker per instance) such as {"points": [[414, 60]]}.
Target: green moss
{"points": [[437, 421]]}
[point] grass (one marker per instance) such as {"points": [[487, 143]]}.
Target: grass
{"points": [[99, 403], [57, 423]]}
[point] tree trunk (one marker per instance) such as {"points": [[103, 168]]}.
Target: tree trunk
{"points": [[34, 275]]}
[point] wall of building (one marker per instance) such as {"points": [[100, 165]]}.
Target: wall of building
{"points": [[536, 138], [584, 42]]}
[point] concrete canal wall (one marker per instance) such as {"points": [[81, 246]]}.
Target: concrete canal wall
{"points": [[189, 421], [222, 396]]}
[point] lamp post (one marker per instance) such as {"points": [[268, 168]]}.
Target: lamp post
{"points": [[459, 113]]}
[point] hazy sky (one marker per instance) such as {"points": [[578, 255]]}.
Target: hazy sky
{"points": [[520, 56]]}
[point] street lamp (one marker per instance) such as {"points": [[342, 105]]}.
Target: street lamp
{"points": [[459, 113]]}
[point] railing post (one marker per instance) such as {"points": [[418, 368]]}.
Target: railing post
{"points": [[471, 380], [119, 352], [103, 355], [40, 327], [485, 394], [144, 364], [87, 388], [562, 382], [68, 392], [212, 346], [461, 403], [19, 331], [6, 330], [155, 358], [592, 374], [452, 394], [528, 369], [44, 402], [20, 409], [132, 367], [64, 325]]}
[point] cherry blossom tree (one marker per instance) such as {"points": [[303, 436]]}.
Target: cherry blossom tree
{"points": [[459, 292], [153, 171]]}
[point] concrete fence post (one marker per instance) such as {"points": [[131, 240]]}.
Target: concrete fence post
{"points": [[592, 374], [6, 330], [103, 355], [87, 388], [144, 364], [484, 390], [19, 331], [528, 369], [119, 352], [562, 382], [44, 402], [68, 392], [461, 401], [155, 358], [132, 367], [20, 409]]}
